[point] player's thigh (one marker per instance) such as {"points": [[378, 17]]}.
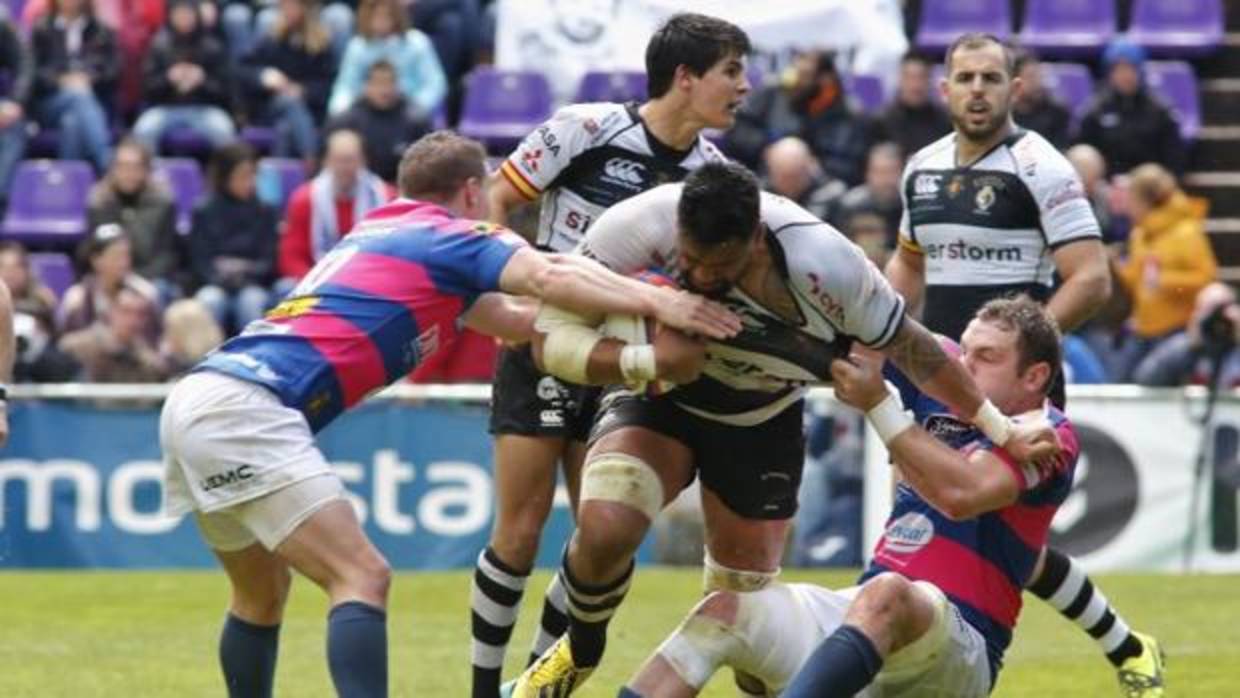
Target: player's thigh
{"points": [[750, 477], [331, 549], [525, 478], [650, 433]]}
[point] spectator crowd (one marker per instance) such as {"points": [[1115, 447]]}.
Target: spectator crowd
{"points": [[338, 89]]}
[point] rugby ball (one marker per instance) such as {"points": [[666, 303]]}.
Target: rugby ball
{"points": [[637, 329]]}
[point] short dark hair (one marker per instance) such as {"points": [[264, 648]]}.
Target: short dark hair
{"points": [[974, 40], [1038, 338], [227, 158], [381, 64], [720, 202], [1022, 57], [437, 164], [694, 41], [914, 56]]}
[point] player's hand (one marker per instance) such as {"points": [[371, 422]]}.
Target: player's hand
{"points": [[678, 357], [858, 381], [1033, 441], [695, 314]]}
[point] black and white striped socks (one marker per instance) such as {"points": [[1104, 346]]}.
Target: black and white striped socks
{"points": [[496, 598], [1066, 587]]}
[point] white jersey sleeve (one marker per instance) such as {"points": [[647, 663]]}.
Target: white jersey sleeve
{"points": [[637, 233], [551, 147], [1063, 209], [833, 276]]}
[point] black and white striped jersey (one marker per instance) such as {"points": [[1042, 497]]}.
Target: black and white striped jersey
{"points": [[588, 157], [989, 229], [840, 295]]}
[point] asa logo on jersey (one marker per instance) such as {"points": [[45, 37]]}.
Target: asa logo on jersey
{"points": [[625, 173], [908, 534]]}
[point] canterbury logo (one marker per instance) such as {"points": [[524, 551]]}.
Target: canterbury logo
{"points": [[625, 171]]}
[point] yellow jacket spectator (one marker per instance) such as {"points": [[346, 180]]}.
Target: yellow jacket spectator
{"points": [[1169, 255]]}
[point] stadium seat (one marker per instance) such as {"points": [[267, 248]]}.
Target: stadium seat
{"points": [[618, 86], [183, 177], [54, 269], [1182, 28], [15, 8], [944, 20], [1070, 83], [184, 141], [501, 107], [867, 92], [1176, 83], [277, 178], [1068, 27], [260, 138], [48, 203]]}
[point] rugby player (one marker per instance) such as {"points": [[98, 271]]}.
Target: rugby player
{"points": [[934, 612], [993, 209], [805, 294], [584, 159], [238, 432]]}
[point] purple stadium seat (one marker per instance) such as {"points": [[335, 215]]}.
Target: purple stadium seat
{"points": [[15, 8], [184, 141], [277, 178], [943, 20], [502, 106], [48, 203], [260, 138], [1175, 83], [183, 177], [1182, 28], [1068, 27], [1070, 83], [54, 269], [867, 92], [620, 86]]}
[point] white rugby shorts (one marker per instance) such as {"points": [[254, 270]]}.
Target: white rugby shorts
{"points": [[954, 666], [227, 441]]}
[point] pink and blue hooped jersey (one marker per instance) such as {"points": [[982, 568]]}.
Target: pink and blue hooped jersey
{"points": [[385, 298], [982, 563]]}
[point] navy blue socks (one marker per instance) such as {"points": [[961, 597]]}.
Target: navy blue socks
{"points": [[843, 664], [248, 657], [357, 650]]}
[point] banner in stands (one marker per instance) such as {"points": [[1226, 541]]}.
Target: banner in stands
{"points": [[80, 487], [566, 38], [1131, 503]]}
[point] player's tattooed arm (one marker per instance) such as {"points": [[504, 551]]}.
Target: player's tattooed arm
{"points": [[919, 355]]}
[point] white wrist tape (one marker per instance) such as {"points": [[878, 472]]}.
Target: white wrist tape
{"points": [[570, 339], [993, 423], [889, 418], [637, 364]]}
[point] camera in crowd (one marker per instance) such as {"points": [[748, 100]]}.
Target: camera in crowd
{"points": [[1218, 330]]}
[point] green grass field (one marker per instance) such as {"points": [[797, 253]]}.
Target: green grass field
{"points": [[153, 634]]}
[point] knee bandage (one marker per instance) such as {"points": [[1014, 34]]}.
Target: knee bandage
{"points": [[767, 639], [924, 651], [570, 338], [716, 577], [621, 478]]}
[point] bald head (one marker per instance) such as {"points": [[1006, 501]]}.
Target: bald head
{"points": [[790, 167], [1090, 166], [344, 158]]}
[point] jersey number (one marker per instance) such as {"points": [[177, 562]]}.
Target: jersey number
{"points": [[323, 271]]}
